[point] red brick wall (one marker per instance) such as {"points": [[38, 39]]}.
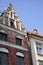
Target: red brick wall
{"points": [[12, 55], [11, 37]]}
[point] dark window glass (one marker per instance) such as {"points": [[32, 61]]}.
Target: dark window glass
{"points": [[3, 58], [40, 62], [20, 60], [11, 24], [11, 14], [3, 36], [18, 41]]}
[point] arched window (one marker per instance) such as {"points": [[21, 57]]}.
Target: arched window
{"points": [[20, 54], [3, 56], [19, 58]]}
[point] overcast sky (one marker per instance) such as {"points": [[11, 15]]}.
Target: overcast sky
{"points": [[30, 12]]}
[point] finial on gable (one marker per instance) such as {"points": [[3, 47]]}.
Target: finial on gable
{"points": [[35, 31], [9, 6]]}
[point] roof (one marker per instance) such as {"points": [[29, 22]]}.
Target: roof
{"points": [[35, 34]]}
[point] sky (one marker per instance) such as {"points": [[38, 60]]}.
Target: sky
{"points": [[29, 11]]}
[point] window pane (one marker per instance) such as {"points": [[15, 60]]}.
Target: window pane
{"points": [[39, 48], [18, 41], [12, 23], [20, 60], [40, 62], [3, 58], [3, 36], [0, 59]]}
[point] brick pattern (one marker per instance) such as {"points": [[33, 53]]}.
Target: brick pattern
{"points": [[12, 55], [11, 37]]}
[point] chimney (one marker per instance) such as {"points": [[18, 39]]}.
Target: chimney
{"points": [[35, 31]]}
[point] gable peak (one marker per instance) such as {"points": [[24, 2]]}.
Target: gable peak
{"points": [[10, 7]]}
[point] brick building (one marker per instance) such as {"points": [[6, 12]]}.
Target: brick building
{"points": [[13, 39]]}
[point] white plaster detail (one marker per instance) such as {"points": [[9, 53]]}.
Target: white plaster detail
{"points": [[18, 36], [13, 45], [3, 19], [20, 54], [34, 53], [15, 24], [12, 15], [20, 26], [4, 50], [8, 21]]}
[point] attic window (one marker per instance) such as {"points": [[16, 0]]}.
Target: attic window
{"points": [[18, 41], [11, 14], [11, 24]]}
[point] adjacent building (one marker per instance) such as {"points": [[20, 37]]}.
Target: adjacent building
{"points": [[13, 39], [35, 42]]}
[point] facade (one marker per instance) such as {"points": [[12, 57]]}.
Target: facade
{"points": [[13, 39], [35, 42], [17, 46]]}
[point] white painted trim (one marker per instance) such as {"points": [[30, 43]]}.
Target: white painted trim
{"points": [[3, 19], [8, 21], [15, 24], [13, 45], [37, 38], [20, 54], [4, 50], [2, 31], [19, 37], [20, 32]]}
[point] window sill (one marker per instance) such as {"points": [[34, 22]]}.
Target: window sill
{"points": [[12, 45], [40, 54]]}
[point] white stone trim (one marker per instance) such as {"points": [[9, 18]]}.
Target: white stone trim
{"points": [[23, 33], [19, 37], [4, 50], [8, 21], [3, 19], [15, 24], [12, 45], [2, 31], [20, 54], [37, 38], [34, 52]]}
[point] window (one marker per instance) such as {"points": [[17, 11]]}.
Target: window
{"points": [[3, 36], [3, 58], [12, 23], [11, 14], [20, 60], [18, 41], [40, 62], [39, 48]]}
